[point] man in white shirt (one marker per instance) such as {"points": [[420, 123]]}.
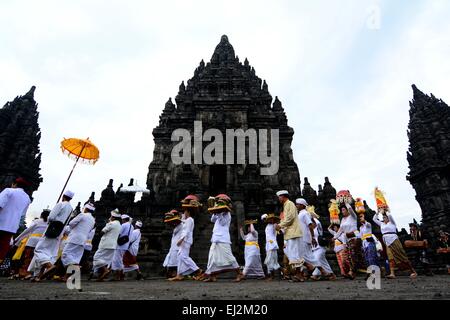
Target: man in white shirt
{"points": [[46, 250], [107, 246], [117, 263], [307, 240], [14, 204], [80, 227]]}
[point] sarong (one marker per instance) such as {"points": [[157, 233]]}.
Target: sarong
{"points": [[397, 254], [355, 254], [171, 259], [103, 258], [321, 261], [72, 254], [292, 251], [117, 262], [370, 254], [306, 253], [271, 260], [221, 258], [186, 265], [5, 243], [253, 266], [343, 261], [129, 262]]}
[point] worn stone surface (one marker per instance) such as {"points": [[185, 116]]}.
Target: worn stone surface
{"points": [[402, 288], [19, 141]]}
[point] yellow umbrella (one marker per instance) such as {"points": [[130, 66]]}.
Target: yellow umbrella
{"points": [[79, 150]]}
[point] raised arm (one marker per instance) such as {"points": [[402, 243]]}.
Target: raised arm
{"points": [[375, 219], [391, 219], [241, 233], [253, 231], [351, 211]]}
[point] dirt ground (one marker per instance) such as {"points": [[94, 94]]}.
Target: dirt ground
{"points": [[437, 287]]}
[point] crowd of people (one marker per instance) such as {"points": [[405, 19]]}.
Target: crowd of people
{"points": [[61, 238]]}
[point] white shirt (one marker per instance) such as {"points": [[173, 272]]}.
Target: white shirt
{"points": [[340, 242], [14, 204], [271, 237], [318, 231], [36, 227], [389, 227], [88, 243], [187, 230], [111, 233], [304, 218], [135, 239], [221, 230], [80, 227], [60, 212], [348, 223], [176, 233], [251, 236], [364, 231], [125, 230]]}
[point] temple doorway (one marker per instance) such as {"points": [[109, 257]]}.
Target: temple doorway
{"points": [[217, 179]]}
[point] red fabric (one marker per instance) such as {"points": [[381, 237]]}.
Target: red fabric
{"points": [[128, 259], [5, 240]]}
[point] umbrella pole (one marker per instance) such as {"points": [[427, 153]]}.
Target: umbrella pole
{"points": [[70, 175]]}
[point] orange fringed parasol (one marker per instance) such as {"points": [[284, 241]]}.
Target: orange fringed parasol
{"points": [[79, 150]]}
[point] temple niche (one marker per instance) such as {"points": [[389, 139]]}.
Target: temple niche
{"points": [[19, 141], [429, 159]]}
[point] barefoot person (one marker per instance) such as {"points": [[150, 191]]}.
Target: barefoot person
{"points": [[368, 242], [349, 228], [130, 257], [319, 251], [186, 265], [46, 251], [123, 243], [395, 252], [220, 258], [80, 227], [107, 246], [307, 240], [292, 233], [340, 248], [271, 260], [29, 239], [14, 204], [173, 220], [253, 267]]}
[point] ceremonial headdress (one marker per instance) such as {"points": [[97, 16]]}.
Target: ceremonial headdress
{"points": [[69, 194], [172, 215], [301, 201], [191, 202], [138, 224], [269, 216], [282, 193], [89, 206], [219, 203], [115, 213]]}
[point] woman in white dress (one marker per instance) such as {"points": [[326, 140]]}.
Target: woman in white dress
{"points": [[253, 266]]}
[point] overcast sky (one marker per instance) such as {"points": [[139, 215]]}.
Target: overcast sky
{"points": [[104, 70]]}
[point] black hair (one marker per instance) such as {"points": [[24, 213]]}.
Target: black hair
{"points": [[44, 214]]}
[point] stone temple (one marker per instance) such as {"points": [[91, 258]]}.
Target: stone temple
{"points": [[19, 141], [224, 93], [429, 159]]}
